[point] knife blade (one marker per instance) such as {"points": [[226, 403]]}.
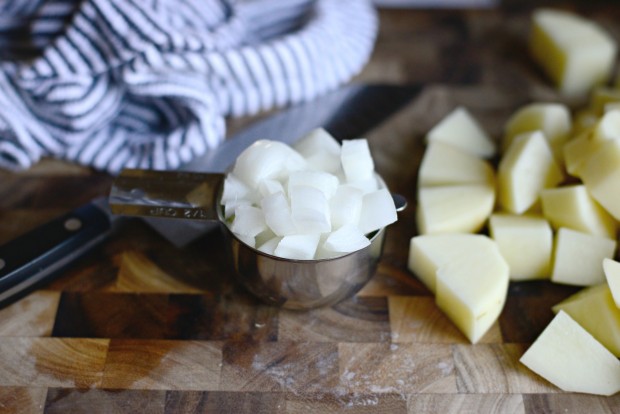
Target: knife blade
{"points": [[38, 256]]}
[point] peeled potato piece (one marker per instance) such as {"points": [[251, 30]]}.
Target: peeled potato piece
{"points": [[576, 53], [445, 164], [527, 167], [572, 206], [594, 309], [601, 175], [460, 129], [525, 242], [468, 275], [553, 119], [569, 357], [611, 268], [579, 256]]}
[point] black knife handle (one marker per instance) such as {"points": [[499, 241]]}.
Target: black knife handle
{"points": [[36, 256]]}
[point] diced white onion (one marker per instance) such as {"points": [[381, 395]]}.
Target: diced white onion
{"points": [[378, 210]]}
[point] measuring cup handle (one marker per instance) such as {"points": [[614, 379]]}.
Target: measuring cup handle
{"points": [[167, 194]]}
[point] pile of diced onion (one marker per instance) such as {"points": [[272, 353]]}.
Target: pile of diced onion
{"points": [[315, 200]]}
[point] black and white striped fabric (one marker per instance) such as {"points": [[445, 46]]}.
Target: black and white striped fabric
{"points": [[148, 83]]}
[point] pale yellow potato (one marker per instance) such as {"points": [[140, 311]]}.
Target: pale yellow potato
{"points": [[527, 167], [572, 206], [525, 242], [566, 355], [608, 126], [578, 151], [552, 119], [611, 268], [576, 53], [578, 257], [468, 275], [445, 164], [459, 128], [595, 310], [601, 97], [601, 175], [583, 120], [454, 208]]}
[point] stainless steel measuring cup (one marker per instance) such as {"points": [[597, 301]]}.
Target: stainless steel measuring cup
{"points": [[293, 284]]}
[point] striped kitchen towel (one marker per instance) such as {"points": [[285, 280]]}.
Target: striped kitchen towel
{"points": [[115, 84]]}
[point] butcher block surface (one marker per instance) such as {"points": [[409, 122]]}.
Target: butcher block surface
{"points": [[140, 325]]}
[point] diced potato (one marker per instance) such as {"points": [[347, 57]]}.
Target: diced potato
{"points": [[608, 126], [527, 167], [552, 119], [594, 309], [601, 97], [578, 151], [583, 120], [573, 207], [601, 175], [525, 242], [461, 130], [468, 275], [611, 268], [569, 357], [576, 53], [445, 164], [579, 256], [454, 209]]}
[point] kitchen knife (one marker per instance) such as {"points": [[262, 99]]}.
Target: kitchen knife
{"points": [[37, 257]]}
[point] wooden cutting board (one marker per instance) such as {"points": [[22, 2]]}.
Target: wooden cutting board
{"points": [[140, 325]]}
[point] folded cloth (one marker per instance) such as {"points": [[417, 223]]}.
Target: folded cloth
{"points": [[118, 84]]}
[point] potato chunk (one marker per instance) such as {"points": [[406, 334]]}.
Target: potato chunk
{"points": [[569, 357], [527, 167], [525, 242], [576, 53], [594, 309], [460, 129], [468, 275]]}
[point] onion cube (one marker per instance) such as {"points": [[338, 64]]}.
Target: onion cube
{"points": [[321, 150], [317, 141], [248, 221], [378, 210], [327, 183], [270, 186], [345, 206], [231, 206], [234, 189], [278, 214], [346, 239], [356, 160], [269, 246], [298, 246], [367, 186], [310, 210], [249, 240], [266, 159]]}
